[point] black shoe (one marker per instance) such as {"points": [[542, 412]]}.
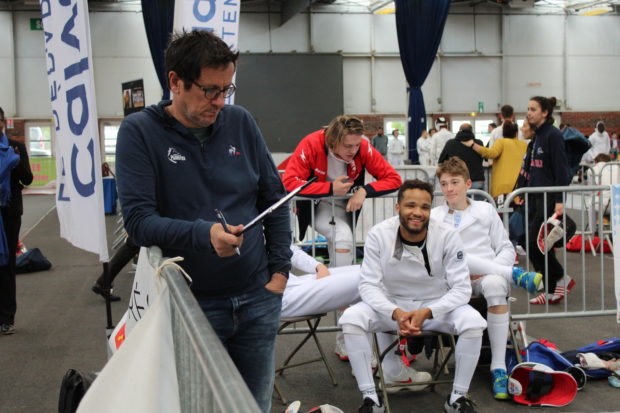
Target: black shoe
{"points": [[98, 289], [7, 329], [369, 406], [461, 405]]}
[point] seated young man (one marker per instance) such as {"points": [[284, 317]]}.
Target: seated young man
{"points": [[414, 277], [490, 256], [321, 289]]}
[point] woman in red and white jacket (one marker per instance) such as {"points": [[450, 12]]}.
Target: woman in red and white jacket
{"points": [[339, 157]]}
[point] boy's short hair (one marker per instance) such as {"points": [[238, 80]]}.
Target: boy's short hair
{"points": [[414, 184], [602, 157], [453, 166]]}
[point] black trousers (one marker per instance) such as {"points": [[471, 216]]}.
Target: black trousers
{"points": [[537, 216], [8, 298], [122, 256]]}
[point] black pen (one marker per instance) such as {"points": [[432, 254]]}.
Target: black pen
{"points": [[222, 220]]}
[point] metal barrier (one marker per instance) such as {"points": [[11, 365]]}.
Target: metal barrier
{"points": [[208, 379], [609, 174], [577, 201]]}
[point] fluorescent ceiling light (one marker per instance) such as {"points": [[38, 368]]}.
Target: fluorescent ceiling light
{"points": [[386, 10], [595, 10], [383, 7]]}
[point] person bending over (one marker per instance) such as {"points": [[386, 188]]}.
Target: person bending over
{"points": [[490, 255], [338, 157], [414, 277]]}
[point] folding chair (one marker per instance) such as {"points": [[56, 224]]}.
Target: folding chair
{"points": [[440, 362], [313, 323]]}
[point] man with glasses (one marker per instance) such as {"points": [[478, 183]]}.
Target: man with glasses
{"points": [[179, 161], [12, 209]]}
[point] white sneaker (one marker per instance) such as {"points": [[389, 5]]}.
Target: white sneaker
{"points": [[408, 375], [341, 350]]}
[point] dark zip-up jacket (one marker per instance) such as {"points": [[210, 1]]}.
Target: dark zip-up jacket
{"points": [[21, 176], [545, 162], [169, 185]]}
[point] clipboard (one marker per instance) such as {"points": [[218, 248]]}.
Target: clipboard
{"points": [[275, 206]]}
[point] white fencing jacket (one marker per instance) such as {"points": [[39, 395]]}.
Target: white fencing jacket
{"points": [[390, 272], [483, 235]]}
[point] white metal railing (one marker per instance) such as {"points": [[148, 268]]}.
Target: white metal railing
{"points": [[579, 202]]}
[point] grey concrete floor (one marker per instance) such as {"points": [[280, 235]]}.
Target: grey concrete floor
{"points": [[61, 324]]}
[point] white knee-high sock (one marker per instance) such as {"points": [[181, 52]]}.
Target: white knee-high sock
{"points": [[360, 355], [343, 258], [391, 363], [466, 355], [497, 327]]}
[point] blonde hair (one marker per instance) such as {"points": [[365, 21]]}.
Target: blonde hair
{"points": [[340, 127], [453, 166]]}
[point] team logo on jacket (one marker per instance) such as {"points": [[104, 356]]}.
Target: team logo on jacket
{"points": [[174, 156], [232, 151]]}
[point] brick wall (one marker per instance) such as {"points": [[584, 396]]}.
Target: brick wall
{"points": [[586, 121], [372, 123]]}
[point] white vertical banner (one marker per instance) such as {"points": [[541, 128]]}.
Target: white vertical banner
{"points": [[79, 188], [218, 16], [615, 227]]}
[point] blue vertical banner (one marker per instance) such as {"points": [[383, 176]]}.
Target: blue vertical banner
{"points": [[218, 16], [615, 229], [79, 189]]}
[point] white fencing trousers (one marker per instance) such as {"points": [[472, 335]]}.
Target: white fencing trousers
{"points": [[305, 295], [456, 322], [339, 236], [493, 287]]}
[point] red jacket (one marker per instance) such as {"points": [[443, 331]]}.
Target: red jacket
{"points": [[310, 159]]}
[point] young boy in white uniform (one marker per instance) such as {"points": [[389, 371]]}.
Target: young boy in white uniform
{"points": [[490, 256], [414, 277], [321, 289]]}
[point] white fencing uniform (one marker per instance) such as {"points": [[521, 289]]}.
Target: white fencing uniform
{"points": [[490, 254], [396, 152], [305, 295], [424, 150], [489, 250], [395, 276], [438, 142]]}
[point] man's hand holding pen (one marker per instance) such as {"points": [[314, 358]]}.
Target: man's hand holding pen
{"points": [[224, 243]]}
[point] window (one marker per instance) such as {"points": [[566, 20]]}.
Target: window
{"points": [[39, 139], [108, 130], [480, 125]]}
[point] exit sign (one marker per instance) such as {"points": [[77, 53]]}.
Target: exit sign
{"points": [[36, 24]]}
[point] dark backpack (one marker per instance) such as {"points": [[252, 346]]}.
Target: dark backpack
{"points": [[74, 386], [31, 261], [576, 145]]}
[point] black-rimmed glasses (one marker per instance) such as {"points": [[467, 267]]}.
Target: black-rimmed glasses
{"points": [[214, 92]]}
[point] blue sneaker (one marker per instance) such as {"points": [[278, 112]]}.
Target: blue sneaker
{"points": [[500, 384], [528, 280]]}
